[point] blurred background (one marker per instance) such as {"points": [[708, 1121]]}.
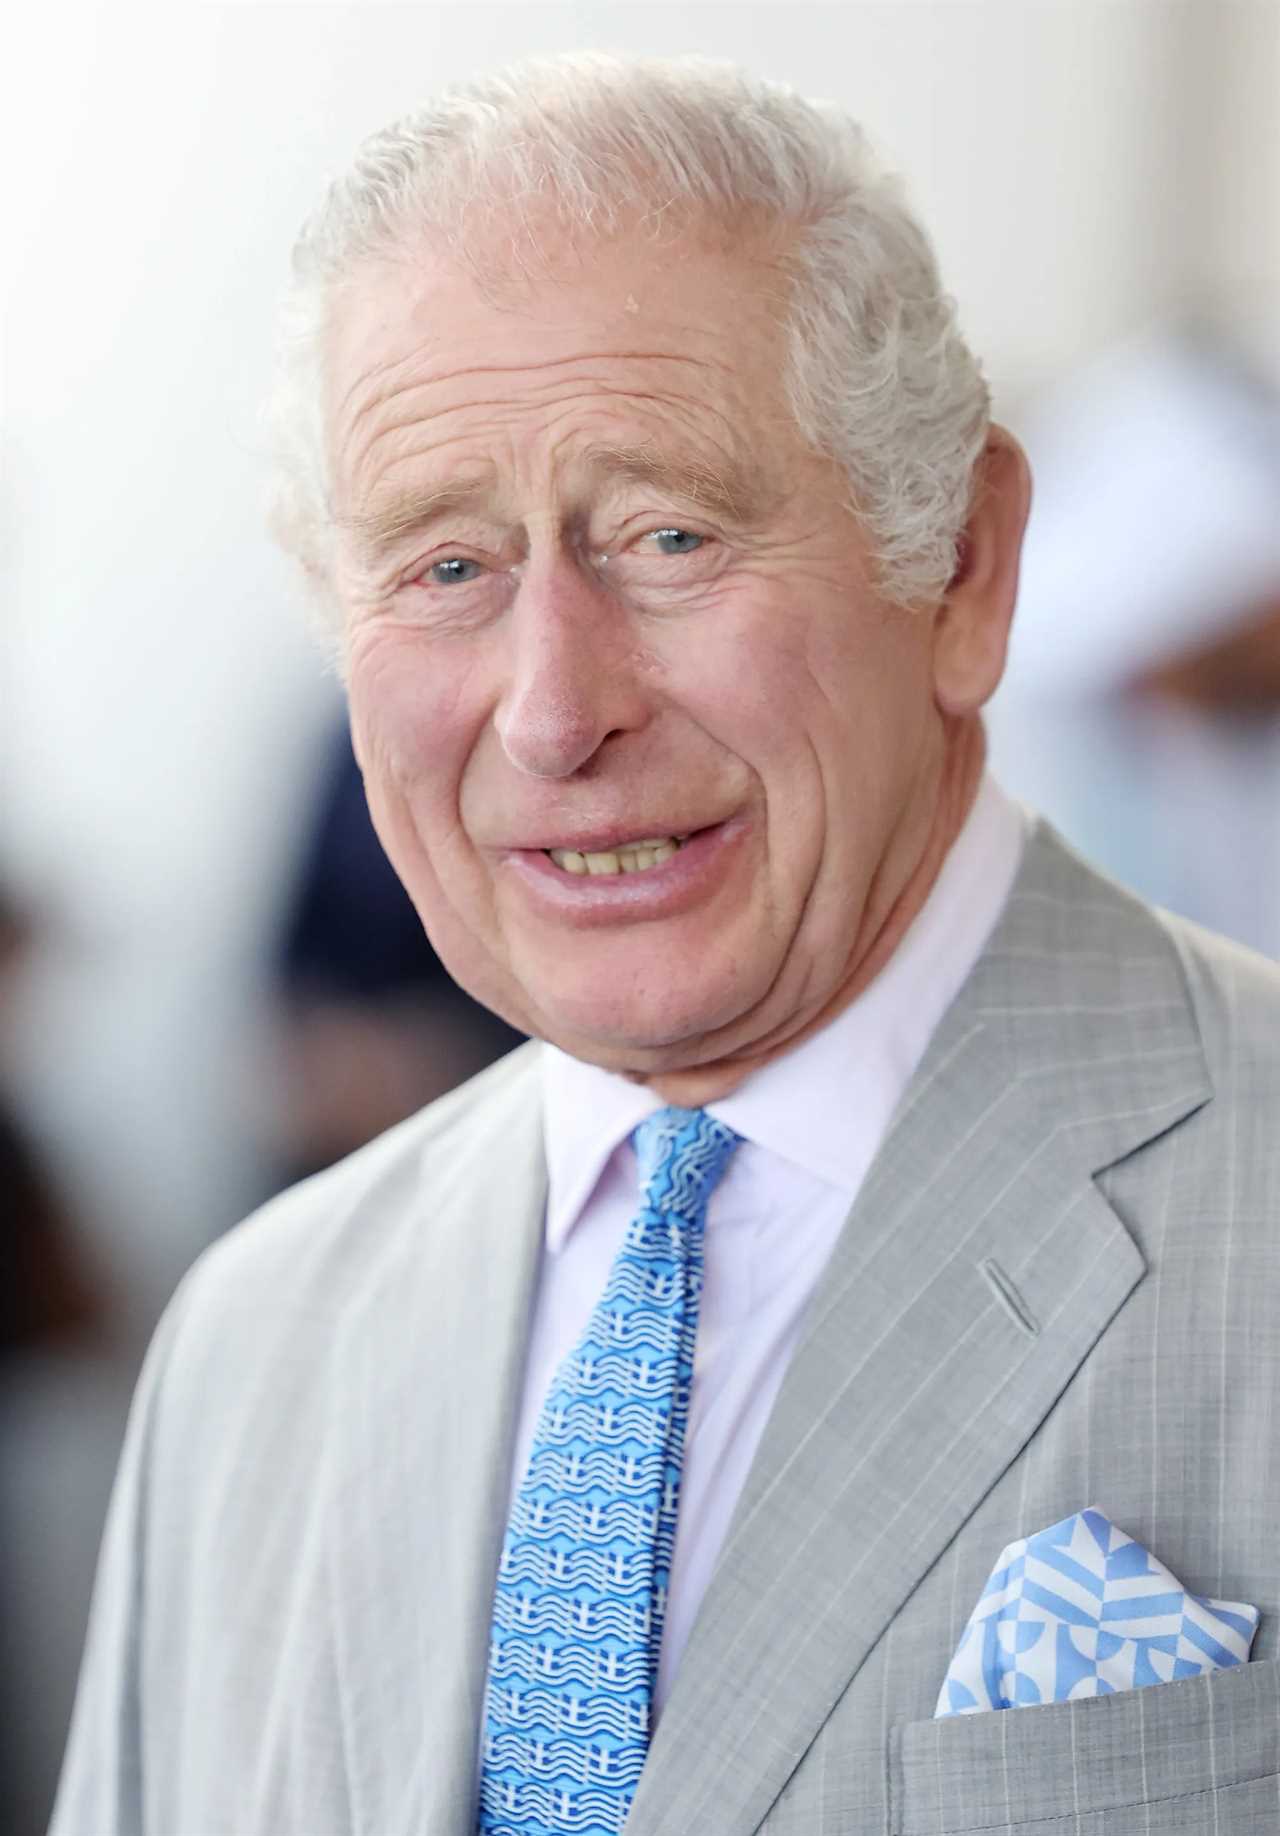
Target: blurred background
{"points": [[210, 983]]}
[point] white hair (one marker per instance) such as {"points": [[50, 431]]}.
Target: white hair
{"points": [[878, 375]]}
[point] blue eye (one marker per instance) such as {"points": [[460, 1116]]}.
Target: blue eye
{"points": [[677, 541], [455, 571]]}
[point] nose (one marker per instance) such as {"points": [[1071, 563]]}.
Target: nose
{"points": [[572, 680]]}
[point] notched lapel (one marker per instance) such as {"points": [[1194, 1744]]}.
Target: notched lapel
{"points": [[429, 1372], [923, 1372]]}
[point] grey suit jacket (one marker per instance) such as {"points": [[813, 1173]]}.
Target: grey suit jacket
{"points": [[1060, 1286]]}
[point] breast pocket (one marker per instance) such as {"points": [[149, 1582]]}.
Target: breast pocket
{"points": [[1197, 1756]]}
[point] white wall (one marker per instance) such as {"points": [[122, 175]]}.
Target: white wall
{"points": [[160, 698]]}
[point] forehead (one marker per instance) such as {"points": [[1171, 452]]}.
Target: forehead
{"points": [[681, 348]]}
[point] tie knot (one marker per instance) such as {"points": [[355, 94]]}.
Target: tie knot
{"points": [[682, 1154]]}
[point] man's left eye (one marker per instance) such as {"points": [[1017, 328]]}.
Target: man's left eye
{"points": [[675, 541], [455, 570]]}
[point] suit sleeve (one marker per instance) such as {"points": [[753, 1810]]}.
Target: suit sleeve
{"points": [[103, 1787]]}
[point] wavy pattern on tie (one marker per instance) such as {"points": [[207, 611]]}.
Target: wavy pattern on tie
{"points": [[582, 1583]]}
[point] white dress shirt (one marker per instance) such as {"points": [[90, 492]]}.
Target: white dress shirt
{"points": [[811, 1123]]}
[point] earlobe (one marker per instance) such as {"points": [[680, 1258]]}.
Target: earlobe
{"points": [[971, 625]]}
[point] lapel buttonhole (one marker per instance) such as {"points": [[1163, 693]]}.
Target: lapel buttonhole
{"points": [[1009, 1297]]}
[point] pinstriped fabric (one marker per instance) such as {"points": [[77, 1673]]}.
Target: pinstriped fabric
{"points": [[582, 1582]]}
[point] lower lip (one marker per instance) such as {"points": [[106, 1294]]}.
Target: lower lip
{"points": [[654, 892]]}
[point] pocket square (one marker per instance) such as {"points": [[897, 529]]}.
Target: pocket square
{"points": [[1080, 1609]]}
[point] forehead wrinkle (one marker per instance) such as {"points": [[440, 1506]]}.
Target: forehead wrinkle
{"points": [[720, 482], [543, 386], [387, 369], [405, 410]]}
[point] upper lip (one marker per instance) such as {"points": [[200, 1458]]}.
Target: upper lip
{"points": [[609, 841]]}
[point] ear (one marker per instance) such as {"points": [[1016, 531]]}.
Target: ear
{"points": [[971, 625]]}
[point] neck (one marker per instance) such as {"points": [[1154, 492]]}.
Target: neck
{"points": [[884, 924]]}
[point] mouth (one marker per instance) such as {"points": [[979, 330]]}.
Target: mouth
{"points": [[615, 878], [632, 857]]}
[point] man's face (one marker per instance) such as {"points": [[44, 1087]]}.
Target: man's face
{"points": [[600, 594]]}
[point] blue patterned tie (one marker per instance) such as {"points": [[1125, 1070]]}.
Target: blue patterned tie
{"points": [[582, 1586]]}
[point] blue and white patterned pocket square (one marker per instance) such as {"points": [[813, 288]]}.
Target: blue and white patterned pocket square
{"points": [[1080, 1609]]}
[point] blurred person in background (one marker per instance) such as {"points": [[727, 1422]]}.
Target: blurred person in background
{"points": [[1141, 705], [622, 1439], [49, 1298]]}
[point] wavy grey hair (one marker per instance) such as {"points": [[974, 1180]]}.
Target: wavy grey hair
{"points": [[878, 376]]}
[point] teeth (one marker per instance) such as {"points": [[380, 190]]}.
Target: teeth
{"points": [[634, 858]]}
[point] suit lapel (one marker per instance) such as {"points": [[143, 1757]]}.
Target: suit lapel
{"points": [[427, 1382], [979, 1266]]}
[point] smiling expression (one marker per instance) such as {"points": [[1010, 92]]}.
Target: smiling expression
{"points": [[600, 594]]}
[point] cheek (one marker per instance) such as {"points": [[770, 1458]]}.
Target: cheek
{"points": [[414, 716], [871, 672], [840, 721]]}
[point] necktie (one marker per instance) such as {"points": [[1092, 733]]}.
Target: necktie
{"points": [[582, 1584]]}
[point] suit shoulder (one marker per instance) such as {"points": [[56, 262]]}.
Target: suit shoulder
{"points": [[1235, 993], [1233, 990], [1124, 977], [309, 1245]]}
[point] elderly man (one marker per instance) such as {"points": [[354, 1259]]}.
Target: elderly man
{"points": [[628, 1436]]}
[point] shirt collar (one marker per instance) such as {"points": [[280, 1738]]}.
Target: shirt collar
{"points": [[825, 1105]]}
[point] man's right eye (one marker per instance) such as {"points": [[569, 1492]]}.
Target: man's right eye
{"points": [[454, 570]]}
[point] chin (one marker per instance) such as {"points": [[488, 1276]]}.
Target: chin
{"points": [[638, 1031]]}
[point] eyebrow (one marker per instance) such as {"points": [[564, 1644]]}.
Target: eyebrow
{"points": [[725, 491], [408, 512], [722, 491]]}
